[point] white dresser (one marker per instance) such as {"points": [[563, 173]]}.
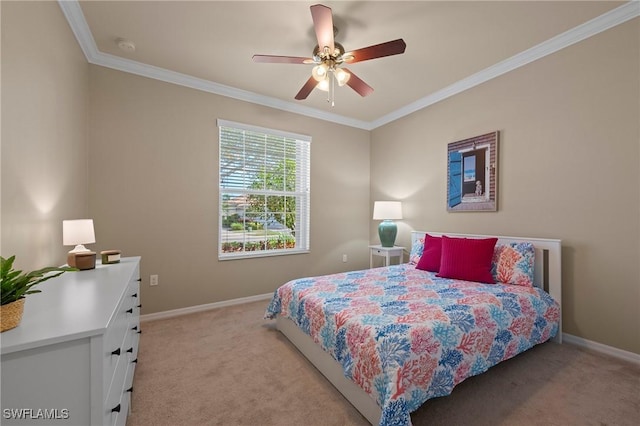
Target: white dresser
{"points": [[72, 358]]}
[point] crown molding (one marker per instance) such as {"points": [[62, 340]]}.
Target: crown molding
{"points": [[590, 28], [73, 13], [161, 74]]}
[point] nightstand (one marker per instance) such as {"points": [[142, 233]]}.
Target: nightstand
{"points": [[387, 253]]}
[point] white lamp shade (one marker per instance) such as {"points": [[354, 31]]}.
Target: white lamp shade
{"points": [[77, 232], [383, 210]]}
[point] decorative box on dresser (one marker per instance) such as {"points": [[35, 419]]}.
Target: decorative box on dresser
{"points": [[72, 358]]}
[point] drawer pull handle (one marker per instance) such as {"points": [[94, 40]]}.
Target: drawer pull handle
{"points": [[134, 328], [135, 361], [130, 389], [139, 331], [116, 409], [139, 306], [134, 295], [116, 352], [139, 279], [130, 350], [130, 311]]}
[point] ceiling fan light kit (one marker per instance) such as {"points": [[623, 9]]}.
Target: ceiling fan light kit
{"points": [[342, 76], [328, 55], [320, 72]]}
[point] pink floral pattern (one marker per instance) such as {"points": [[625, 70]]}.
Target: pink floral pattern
{"points": [[513, 264], [404, 336]]}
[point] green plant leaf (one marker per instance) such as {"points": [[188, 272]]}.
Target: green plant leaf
{"points": [[16, 284]]}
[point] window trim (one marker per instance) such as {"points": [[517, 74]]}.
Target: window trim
{"points": [[304, 210]]}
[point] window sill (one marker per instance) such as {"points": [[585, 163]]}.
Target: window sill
{"points": [[249, 255]]}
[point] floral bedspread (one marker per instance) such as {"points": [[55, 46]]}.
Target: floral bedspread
{"points": [[404, 335]]}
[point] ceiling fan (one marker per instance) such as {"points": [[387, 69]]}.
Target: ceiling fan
{"points": [[329, 55]]}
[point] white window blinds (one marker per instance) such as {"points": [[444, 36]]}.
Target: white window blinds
{"points": [[264, 191]]}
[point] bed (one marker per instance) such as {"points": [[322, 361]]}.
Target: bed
{"points": [[391, 338]]}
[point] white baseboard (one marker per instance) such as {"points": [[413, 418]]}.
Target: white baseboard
{"points": [[206, 307], [603, 349]]}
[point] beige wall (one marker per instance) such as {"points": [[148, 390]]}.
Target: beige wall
{"points": [[569, 169], [44, 116], [569, 159], [153, 190]]}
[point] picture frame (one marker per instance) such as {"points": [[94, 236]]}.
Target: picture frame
{"points": [[472, 174]]}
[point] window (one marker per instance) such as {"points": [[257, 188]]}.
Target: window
{"points": [[264, 191]]}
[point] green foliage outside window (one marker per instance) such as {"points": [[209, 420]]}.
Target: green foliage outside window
{"points": [[264, 190], [282, 177]]}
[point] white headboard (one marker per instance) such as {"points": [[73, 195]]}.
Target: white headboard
{"points": [[547, 270]]}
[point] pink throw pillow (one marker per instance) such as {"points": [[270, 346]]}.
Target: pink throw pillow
{"points": [[467, 259], [430, 259]]}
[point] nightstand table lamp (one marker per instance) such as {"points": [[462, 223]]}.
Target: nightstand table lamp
{"points": [[387, 211], [76, 233]]}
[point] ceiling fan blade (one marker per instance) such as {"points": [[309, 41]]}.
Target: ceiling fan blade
{"points": [[323, 24], [381, 50], [358, 85], [274, 59], [306, 89]]}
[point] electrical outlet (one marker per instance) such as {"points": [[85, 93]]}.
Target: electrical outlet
{"points": [[153, 280], [344, 258]]}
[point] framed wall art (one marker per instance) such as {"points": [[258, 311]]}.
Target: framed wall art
{"points": [[472, 174]]}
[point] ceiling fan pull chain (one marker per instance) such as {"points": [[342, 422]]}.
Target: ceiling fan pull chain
{"points": [[331, 88]]}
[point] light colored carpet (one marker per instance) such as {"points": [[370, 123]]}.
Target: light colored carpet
{"points": [[230, 367]]}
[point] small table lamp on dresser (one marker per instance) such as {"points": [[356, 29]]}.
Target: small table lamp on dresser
{"points": [[76, 233], [387, 211]]}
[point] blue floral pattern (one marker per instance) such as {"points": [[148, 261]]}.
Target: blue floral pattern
{"points": [[407, 340]]}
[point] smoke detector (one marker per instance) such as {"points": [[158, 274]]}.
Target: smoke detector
{"points": [[126, 45]]}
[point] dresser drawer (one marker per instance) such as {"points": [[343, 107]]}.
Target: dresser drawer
{"points": [[113, 397], [118, 338], [120, 418], [119, 367], [118, 410], [133, 292], [133, 321], [128, 384], [114, 343], [123, 395]]}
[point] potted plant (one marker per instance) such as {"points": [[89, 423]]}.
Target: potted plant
{"points": [[15, 285]]}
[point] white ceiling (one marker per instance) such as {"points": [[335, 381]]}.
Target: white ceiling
{"points": [[451, 46]]}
